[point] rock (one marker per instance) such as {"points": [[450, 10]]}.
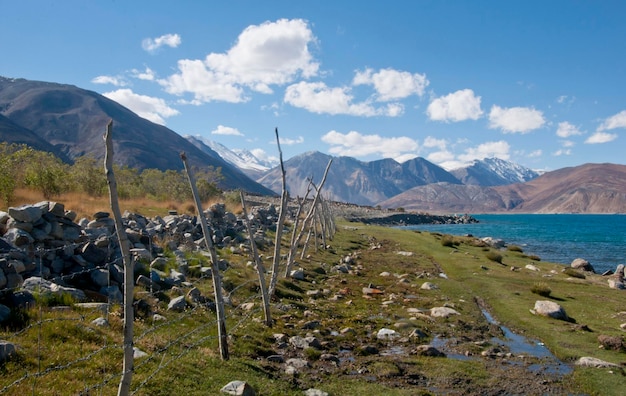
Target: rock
{"points": [[587, 361], [582, 264], [297, 363], [238, 388], [5, 312], [297, 274], [612, 343], [494, 243], [26, 213], [113, 293], [177, 304], [615, 284], [100, 277], [100, 322], [314, 392], [138, 353], [442, 312], [387, 334], [532, 267], [428, 350], [429, 286], [7, 349], [276, 358], [550, 309]]}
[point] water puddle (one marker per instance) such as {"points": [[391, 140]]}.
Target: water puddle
{"points": [[520, 345]]}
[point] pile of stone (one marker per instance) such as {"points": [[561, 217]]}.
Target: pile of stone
{"points": [[44, 248]]}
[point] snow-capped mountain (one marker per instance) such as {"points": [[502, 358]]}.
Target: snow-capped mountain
{"points": [[494, 172], [243, 159]]}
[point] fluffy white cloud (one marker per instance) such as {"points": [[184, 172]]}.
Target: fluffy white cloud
{"points": [[614, 122], [431, 142], [273, 53], [499, 149], [601, 137], [263, 156], [392, 84], [290, 142], [318, 98], [113, 80], [148, 107], [515, 119], [457, 106], [147, 75], [153, 44], [355, 144], [566, 130], [224, 130]]}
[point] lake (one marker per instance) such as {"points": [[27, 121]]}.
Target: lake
{"points": [[559, 238]]}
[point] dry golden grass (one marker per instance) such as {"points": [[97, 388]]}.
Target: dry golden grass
{"points": [[86, 206]]}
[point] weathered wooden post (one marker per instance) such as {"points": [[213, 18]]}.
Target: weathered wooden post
{"points": [[284, 198], [129, 315], [259, 264], [215, 272]]}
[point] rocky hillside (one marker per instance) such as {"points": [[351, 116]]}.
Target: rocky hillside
{"points": [[589, 188], [493, 172], [70, 122]]}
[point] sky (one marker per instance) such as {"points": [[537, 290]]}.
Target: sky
{"points": [[538, 83]]}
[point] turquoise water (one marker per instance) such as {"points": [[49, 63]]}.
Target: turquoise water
{"points": [[559, 238]]}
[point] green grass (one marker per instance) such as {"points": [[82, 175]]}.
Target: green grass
{"points": [[184, 357]]}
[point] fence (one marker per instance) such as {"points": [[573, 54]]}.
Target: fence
{"points": [[63, 347]]}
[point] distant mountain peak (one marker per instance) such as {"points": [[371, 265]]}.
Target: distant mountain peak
{"points": [[493, 172]]}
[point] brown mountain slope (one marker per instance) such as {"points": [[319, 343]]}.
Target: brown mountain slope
{"points": [[589, 188]]}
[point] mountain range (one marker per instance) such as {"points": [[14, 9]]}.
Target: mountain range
{"points": [[69, 122]]}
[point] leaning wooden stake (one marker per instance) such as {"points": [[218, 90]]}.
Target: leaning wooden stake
{"points": [[259, 264], [215, 272], [129, 315], [284, 198], [309, 216]]}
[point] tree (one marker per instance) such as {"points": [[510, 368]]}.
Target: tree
{"points": [[87, 176], [46, 173]]}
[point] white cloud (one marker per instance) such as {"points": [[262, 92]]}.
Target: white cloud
{"points": [[355, 144], [535, 154], [113, 80], [318, 98], [431, 142], [263, 156], [147, 75], [273, 53], [392, 84], [567, 143], [290, 142], [148, 107], [561, 152], [601, 137], [153, 44], [614, 122], [515, 119], [224, 130], [566, 130], [457, 106], [499, 149]]}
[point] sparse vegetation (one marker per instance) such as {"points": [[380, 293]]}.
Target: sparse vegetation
{"points": [[494, 256], [542, 289], [514, 248], [569, 271]]}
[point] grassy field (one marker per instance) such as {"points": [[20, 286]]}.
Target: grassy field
{"points": [[60, 351]]}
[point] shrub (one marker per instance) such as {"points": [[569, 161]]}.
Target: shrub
{"points": [[541, 289], [514, 248], [569, 271], [494, 256], [447, 241], [312, 354], [534, 257]]}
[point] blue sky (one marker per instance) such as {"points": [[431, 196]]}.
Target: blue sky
{"points": [[539, 83]]}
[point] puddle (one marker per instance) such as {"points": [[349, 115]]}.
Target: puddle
{"points": [[393, 351], [520, 345], [441, 343]]}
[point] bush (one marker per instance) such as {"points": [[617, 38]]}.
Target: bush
{"points": [[447, 241], [514, 248], [569, 271], [534, 257], [541, 289], [494, 256]]}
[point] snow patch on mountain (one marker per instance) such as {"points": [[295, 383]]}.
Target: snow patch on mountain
{"points": [[243, 159]]}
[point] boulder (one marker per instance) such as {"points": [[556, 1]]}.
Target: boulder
{"points": [[582, 264], [587, 361], [7, 349], [177, 304], [26, 213], [550, 309], [442, 312], [238, 388]]}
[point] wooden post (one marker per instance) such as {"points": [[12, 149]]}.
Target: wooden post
{"points": [[129, 315], [259, 264], [284, 198], [309, 216], [215, 272]]}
